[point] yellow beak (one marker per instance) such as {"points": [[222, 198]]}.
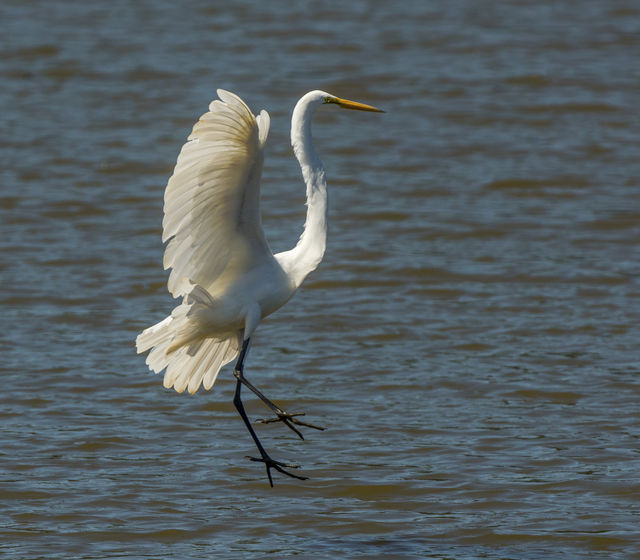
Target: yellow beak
{"points": [[346, 104]]}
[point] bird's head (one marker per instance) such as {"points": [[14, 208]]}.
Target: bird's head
{"points": [[317, 97], [303, 111]]}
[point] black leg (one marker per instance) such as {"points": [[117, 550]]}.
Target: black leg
{"points": [[281, 416], [237, 401]]}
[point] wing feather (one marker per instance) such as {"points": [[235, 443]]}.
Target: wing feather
{"points": [[211, 203]]}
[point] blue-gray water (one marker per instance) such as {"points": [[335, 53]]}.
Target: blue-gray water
{"points": [[470, 340]]}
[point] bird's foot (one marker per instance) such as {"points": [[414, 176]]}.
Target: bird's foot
{"points": [[289, 419], [277, 465]]}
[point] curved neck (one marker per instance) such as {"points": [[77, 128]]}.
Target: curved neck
{"points": [[307, 254]]}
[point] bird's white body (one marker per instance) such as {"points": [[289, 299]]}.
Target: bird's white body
{"points": [[221, 264]]}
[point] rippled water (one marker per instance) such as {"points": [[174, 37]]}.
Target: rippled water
{"points": [[470, 340]]}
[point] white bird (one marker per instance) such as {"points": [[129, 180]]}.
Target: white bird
{"points": [[222, 266]]}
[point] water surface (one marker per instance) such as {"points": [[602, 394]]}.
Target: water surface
{"points": [[470, 340]]}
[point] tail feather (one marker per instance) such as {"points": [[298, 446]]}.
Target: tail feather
{"points": [[153, 336], [228, 351], [189, 365], [204, 360], [187, 370], [182, 366]]}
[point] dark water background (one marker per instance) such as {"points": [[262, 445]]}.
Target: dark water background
{"points": [[470, 341]]}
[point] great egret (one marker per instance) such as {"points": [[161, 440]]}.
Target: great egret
{"points": [[222, 266]]}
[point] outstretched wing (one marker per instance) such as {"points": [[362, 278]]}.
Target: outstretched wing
{"points": [[212, 200]]}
